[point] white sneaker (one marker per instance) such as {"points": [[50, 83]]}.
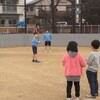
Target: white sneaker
{"points": [[77, 98], [69, 98], [90, 96]]}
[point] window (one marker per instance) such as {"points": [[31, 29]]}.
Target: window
{"points": [[2, 21], [14, 21], [10, 22], [10, 8]]}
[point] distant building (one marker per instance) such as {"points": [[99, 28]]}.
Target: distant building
{"points": [[36, 10], [11, 11]]}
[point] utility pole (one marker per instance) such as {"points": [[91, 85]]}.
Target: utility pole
{"points": [[81, 29], [53, 15], [73, 16], [25, 16]]}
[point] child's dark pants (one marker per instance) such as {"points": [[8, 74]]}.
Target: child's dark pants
{"points": [[69, 87], [93, 82]]}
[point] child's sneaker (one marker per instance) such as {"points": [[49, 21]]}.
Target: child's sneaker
{"points": [[90, 96], [33, 60], [77, 98], [37, 61], [96, 94], [69, 98]]}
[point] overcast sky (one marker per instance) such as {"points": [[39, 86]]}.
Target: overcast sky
{"points": [[28, 0]]}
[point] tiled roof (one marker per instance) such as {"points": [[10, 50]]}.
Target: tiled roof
{"points": [[32, 2], [45, 2]]}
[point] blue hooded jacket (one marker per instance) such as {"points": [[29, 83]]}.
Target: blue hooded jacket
{"points": [[47, 37]]}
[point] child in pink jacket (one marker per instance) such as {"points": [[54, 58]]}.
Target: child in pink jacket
{"points": [[73, 63]]}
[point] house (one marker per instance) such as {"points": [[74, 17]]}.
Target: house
{"points": [[11, 11], [37, 11]]}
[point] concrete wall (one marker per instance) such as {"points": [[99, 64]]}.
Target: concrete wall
{"points": [[9, 40]]}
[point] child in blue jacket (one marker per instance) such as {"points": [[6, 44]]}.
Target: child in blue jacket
{"points": [[35, 43], [47, 38]]}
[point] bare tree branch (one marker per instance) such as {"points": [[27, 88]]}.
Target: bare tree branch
{"points": [[46, 15], [58, 1]]}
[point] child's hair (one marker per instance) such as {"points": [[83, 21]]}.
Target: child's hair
{"points": [[46, 30], [35, 33], [72, 46], [95, 44]]}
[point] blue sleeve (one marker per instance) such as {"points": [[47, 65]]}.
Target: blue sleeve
{"points": [[44, 37], [50, 36]]}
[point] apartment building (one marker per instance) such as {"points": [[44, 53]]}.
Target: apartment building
{"points": [[11, 11]]}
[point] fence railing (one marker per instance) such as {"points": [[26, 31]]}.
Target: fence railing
{"points": [[85, 29], [91, 29]]}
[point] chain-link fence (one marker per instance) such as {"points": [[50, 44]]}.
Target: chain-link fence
{"points": [[87, 29], [76, 13]]}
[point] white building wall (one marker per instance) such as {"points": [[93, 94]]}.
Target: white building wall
{"points": [[20, 10], [21, 2]]}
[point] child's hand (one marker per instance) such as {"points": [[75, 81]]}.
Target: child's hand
{"points": [[85, 59]]}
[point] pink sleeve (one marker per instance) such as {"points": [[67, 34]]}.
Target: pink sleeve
{"points": [[63, 60], [82, 61]]}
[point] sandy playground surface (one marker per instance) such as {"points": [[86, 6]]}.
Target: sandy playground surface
{"points": [[20, 79]]}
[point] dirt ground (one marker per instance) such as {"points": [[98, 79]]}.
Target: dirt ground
{"points": [[20, 79]]}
